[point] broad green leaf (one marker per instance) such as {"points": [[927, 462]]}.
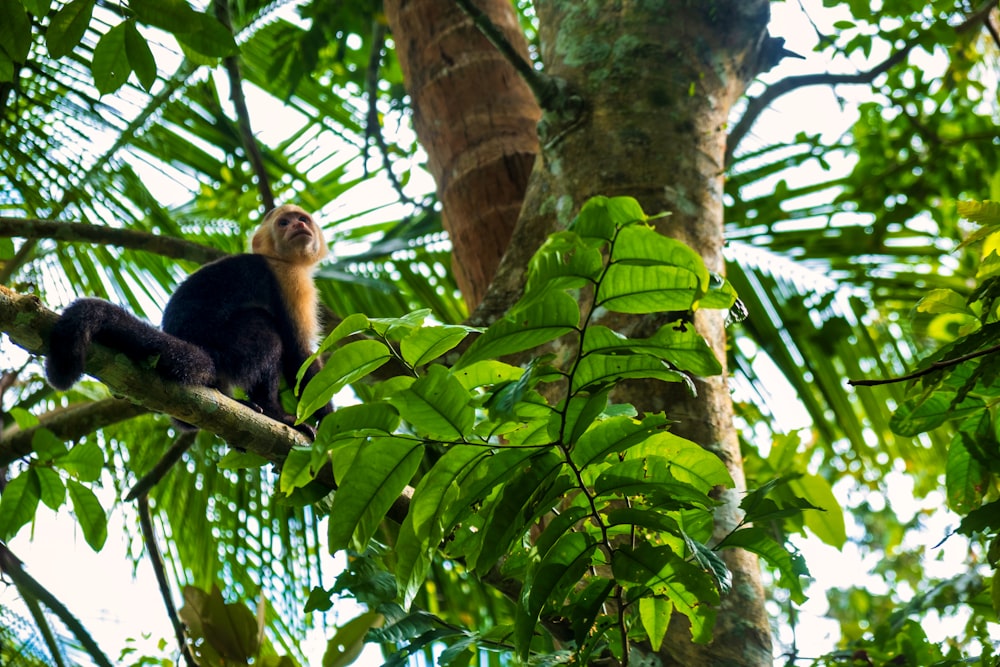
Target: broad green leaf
{"points": [[349, 326], [683, 348], [208, 37], [785, 559], [588, 604], [377, 418], [346, 364], [965, 478], [945, 301], [487, 372], [984, 212], [89, 514], [296, 471], [559, 526], [436, 405], [689, 463], [581, 411], [426, 344], [614, 435], [649, 477], [655, 615], [110, 65], [721, 295], [601, 217], [543, 319], [489, 472], [550, 580], [51, 489], [67, 27], [37, 8], [510, 512], [230, 630], [18, 503], [6, 75], [345, 645], [664, 573], [644, 246], [379, 473], [599, 370], [630, 288], [46, 445], [237, 460], [424, 526], [923, 414], [83, 461], [709, 561], [650, 519], [140, 57], [563, 262], [395, 328], [827, 525], [15, 31]]}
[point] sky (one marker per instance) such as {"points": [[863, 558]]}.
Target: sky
{"points": [[117, 602]]}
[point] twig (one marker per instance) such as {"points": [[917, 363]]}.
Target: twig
{"points": [[163, 466], [756, 105], [545, 89], [373, 128], [250, 146], [935, 366], [156, 559]]}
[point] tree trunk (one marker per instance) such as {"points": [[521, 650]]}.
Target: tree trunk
{"points": [[476, 119], [654, 84]]}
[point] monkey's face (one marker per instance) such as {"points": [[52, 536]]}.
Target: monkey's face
{"points": [[290, 233]]}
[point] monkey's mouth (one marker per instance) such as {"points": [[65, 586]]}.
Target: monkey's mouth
{"points": [[299, 232]]}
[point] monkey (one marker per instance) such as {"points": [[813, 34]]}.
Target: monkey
{"points": [[244, 321]]}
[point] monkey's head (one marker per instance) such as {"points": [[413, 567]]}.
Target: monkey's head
{"points": [[291, 234]]}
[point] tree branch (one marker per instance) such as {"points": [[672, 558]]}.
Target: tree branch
{"points": [[935, 366], [757, 105], [28, 324], [69, 423], [83, 232], [250, 146]]}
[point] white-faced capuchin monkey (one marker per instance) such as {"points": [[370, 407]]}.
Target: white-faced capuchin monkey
{"points": [[242, 321]]}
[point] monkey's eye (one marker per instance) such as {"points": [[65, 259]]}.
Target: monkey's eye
{"points": [[283, 222]]}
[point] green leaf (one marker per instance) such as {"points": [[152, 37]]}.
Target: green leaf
{"points": [[237, 460], [965, 479], [683, 348], [67, 27], [140, 57], [347, 364], [51, 489], [83, 461], [344, 647], [15, 31], [563, 262], [984, 212], [944, 301], [828, 525], [601, 370], [550, 580], [650, 477], [425, 524], [18, 503], [655, 615], [436, 405], [601, 217], [37, 8], [170, 15], [208, 37], [581, 411], [378, 475], [487, 372], [786, 560], [296, 471], [89, 514], [426, 344], [689, 463], [46, 445], [627, 288], [664, 573], [529, 325], [110, 65], [614, 435], [378, 418]]}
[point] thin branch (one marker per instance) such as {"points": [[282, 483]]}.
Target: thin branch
{"points": [[69, 423], [250, 146], [156, 560], [163, 466], [29, 587], [83, 232], [545, 89], [373, 127], [935, 366], [757, 105]]}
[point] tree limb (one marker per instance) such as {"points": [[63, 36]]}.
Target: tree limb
{"points": [[83, 232], [239, 100], [69, 423], [935, 366], [757, 105]]}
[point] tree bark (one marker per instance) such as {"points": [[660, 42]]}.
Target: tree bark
{"points": [[649, 89], [476, 119]]}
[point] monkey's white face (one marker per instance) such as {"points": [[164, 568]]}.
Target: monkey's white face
{"points": [[293, 233]]}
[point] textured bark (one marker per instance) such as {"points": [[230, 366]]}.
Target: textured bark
{"points": [[650, 86], [476, 119]]}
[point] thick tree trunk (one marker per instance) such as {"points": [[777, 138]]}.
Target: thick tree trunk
{"points": [[476, 119], [655, 83]]}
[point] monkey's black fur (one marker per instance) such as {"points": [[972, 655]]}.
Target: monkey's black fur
{"points": [[225, 326]]}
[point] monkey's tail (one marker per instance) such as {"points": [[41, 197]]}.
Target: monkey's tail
{"points": [[94, 320]]}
